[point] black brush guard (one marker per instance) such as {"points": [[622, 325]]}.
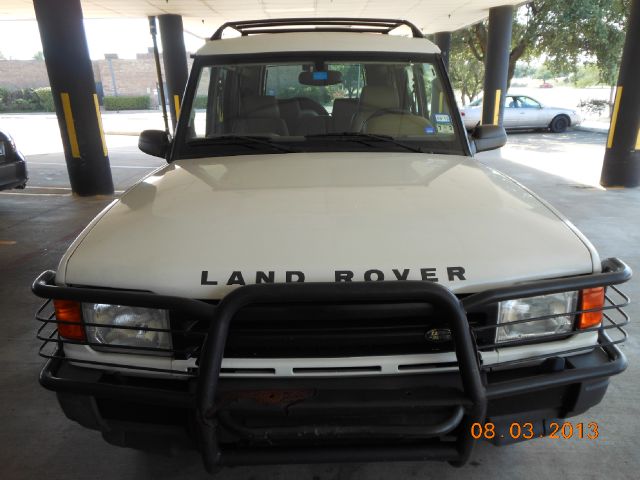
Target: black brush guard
{"points": [[449, 439]]}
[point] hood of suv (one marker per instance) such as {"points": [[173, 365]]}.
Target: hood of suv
{"points": [[199, 228]]}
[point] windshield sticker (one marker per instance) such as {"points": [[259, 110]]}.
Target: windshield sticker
{"points": [[238, 277], [442, 118], [445, 128]]}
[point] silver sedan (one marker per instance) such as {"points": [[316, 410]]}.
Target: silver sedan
{"points": [[521, 111]]}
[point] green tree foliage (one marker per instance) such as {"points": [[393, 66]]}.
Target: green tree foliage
{"points": [[38, 55], [46, 99], [567, 32], [523, 69], [528, 24], [591, 30], [26, 100], [465, 70], [140, 102]]}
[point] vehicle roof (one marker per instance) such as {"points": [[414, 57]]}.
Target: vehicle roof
{"points": [[317, 42]]}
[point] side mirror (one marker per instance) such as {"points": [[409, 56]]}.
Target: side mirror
{"points": [[154, 142], [488, 137]]}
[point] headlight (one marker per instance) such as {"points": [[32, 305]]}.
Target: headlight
{"points": [[139, 319], [534, 307]]}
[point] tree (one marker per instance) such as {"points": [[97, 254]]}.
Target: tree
{"points": [[38, 55], [465, 70], [588, 30], [566, 31], [527, 25], [523, 69]]}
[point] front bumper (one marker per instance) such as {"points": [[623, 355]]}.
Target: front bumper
{"points": [[403, 417]]}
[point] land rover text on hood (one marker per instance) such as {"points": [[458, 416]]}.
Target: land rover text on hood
{"points": [[322, 272]]}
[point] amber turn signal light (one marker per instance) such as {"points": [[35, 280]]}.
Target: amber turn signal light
{"points": [[591, 298], [69, 312]]}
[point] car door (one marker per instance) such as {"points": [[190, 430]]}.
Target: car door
{"points": [[529, 113], [511, 114]]}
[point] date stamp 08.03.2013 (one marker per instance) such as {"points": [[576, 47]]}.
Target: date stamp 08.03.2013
{"points": [[526, 431]]}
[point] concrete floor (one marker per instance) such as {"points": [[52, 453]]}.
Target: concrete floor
{"points": [[37, 441]]}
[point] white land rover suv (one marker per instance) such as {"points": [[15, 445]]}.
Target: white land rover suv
{"points": [[323, 273]]}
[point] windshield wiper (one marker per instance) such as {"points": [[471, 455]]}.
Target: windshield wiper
{"points": [[245, 140], [362, 137]]}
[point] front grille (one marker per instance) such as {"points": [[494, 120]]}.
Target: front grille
{"points": [[310, 331]]}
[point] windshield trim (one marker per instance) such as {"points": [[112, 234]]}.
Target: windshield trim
{"points": [[180, 148]]}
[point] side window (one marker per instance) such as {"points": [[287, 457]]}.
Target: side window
{"points": [[528, 102], [512, 102], [210, 103], [198, 119]]}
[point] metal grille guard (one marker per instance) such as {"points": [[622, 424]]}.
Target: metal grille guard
{"points": [[475, 391]]}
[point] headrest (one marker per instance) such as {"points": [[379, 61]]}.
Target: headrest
{"points": [[374, 96], [259, 106]]}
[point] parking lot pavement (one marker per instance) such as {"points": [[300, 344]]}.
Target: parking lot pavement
{"points": [[128, 165], [36, 440]]}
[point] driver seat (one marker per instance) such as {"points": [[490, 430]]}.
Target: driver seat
{"points": [[373, 99]]}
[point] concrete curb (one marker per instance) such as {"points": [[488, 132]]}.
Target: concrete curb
{"points": [[582, 128], [116, 132]]}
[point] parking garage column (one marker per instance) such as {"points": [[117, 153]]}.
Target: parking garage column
{"points": [[443, 41], [496, 64], [621, 166], [174, 56], [66, 55]]}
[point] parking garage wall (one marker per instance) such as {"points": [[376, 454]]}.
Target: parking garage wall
{"points": [[15, 74], [132, 76]]}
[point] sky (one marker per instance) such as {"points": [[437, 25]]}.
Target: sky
{"points": [[20, 40]]}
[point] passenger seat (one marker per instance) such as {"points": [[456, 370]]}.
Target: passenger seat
{"points": [[259, 115], [373, 99]]}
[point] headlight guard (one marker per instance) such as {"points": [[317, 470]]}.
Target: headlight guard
{"points": [[545, 312], [145, 329]]}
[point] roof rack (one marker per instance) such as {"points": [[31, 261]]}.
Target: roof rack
{"points": [[328, 24]]}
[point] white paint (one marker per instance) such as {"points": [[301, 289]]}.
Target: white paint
{"points": [[318, 213], [317, 42]]}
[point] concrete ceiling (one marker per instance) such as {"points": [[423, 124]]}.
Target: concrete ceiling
{"points": [[204, 15]]}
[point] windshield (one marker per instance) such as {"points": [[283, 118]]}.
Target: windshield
{"points": [[319, 105]]}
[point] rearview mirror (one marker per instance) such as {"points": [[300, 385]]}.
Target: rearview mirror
{"points": [[488, 137], [154, 142], [320, 78]]}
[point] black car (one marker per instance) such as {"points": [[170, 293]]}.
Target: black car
{"points": [[13, 168]]}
